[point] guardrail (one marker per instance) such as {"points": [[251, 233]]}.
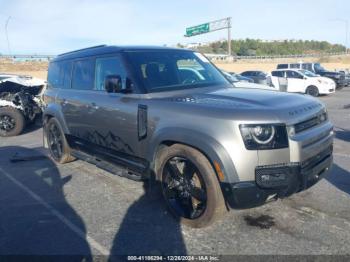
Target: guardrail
{"points": [[225, 57], [27, 57], [222, 57]]}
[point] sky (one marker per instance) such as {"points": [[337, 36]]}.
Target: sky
{"points": [[56, 26]]}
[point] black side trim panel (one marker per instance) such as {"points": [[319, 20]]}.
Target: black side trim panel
{"points": [[142, 121], [133, 163]]}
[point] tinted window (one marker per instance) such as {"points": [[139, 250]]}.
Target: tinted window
{"points": [[282, 66], [174, 70], [278, 73], [307, 67], [65, 73], [247, 73], [108, 66], [53, 77], [83, 74], [295, 66], [293, 74]]}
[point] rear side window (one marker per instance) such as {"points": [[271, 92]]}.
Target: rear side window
{"points": [[278, 73], [83, 74], [307, 67], [59, 74], [108, 66], [53, 77], [282, 66], [295, 66], [65, 74]]}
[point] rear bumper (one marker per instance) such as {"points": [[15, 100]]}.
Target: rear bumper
{"points": [[272, 182]]}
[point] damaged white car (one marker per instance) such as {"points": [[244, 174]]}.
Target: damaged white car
{"points": [[20, 102]]}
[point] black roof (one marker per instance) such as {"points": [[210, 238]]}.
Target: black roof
{"points": [[105, 49]]}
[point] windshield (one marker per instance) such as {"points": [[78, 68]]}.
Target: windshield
{"points": [[318, 67], [308, 73], [161, 71]]}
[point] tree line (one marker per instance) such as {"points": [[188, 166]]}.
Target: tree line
{"points": [[256, 47]]}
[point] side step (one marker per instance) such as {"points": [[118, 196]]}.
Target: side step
{"points": [[109, 167]]}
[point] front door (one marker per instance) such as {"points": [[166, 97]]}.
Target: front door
{"points": [[296, 82], [113, 117]]}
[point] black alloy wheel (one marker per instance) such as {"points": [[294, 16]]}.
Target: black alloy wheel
{"points": [[184, 188]]}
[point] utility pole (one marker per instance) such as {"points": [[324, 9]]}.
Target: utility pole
{"points": [[7, 36], [229, 36]]}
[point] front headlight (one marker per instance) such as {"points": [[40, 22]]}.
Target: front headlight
{"points": [[264, 136]]}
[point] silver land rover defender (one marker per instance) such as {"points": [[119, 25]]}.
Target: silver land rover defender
{"points": [[171, 115]]}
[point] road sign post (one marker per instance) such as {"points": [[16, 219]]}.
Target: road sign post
{"points": [[211, 27]]}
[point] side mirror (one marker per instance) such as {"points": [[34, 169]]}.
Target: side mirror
{"points": [[113, 84]]}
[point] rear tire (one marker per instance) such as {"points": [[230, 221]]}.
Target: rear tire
{"points": [[194, 197], [312, 91], [12, 121], [57, 143]]}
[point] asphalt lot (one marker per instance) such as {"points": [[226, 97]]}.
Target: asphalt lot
{"points": [[77, 208]]}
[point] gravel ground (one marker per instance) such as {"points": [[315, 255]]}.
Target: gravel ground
{"points": [[76, 208]]}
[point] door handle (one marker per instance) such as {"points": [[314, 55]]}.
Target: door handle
{"points": [[64, 102]]}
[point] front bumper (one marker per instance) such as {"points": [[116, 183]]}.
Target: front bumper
{"points": [[297, 177]]}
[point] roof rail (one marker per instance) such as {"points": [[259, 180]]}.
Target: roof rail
{"points": [[83, 49]]}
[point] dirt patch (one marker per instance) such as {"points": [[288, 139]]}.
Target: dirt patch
{"points": [[261, 221]]}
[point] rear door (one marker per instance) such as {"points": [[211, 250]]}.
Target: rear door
{"points": [[76, 100]]}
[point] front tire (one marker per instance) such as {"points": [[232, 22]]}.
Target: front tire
{"points": [[57, 143], [312, 91], [190, 186], [12, 122]]}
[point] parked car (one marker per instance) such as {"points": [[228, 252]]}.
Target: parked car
{"points": [[317, 68], [303, 81], [347, 76], [20, 102], [241, 78], [258, 77], [210, 146], [242, 84]]}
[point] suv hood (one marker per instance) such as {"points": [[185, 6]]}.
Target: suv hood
{"points": [[254, 104]]}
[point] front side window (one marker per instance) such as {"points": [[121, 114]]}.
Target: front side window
{"points": [[83, 74], [108, 66], [307, 73], [293, 74], [174, 70]]}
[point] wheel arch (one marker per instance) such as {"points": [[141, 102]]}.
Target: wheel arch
{"points": [[207, 145]]}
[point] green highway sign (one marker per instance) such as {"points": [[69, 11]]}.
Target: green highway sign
{"points": [[197, 30]]}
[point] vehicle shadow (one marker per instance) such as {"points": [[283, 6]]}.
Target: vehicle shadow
{"points": [[31, 127], [147, 228], [340, 178], [34, 211], [343, 135]]}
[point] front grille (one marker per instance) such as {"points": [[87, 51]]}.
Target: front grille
{"points": [[310, 123]]}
